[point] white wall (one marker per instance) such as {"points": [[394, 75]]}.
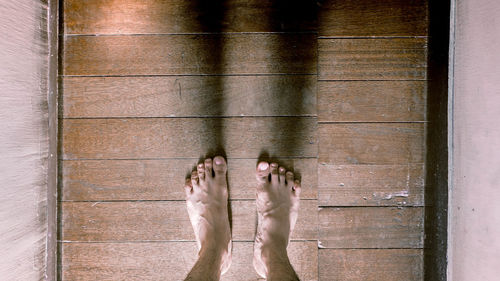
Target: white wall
{"points": [[474, 226], [23, 139]]}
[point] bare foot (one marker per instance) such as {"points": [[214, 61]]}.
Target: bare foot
{"points": [[206, 198], [277, 207]]}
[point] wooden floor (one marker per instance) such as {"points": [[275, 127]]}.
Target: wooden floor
{"points": [[335, 91]]}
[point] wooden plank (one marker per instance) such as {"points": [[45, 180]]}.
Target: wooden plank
{"points": [[369, 101], [94, 180], [373, 59], [373, 18], [190, 54], [379, 264], [371, 227], [188, 96], [371, 185], [399, 143], [163, 221], [178, 16], [154, 261], [187, 137]]}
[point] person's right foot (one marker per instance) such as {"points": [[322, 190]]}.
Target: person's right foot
{"points": [[277, 208]]}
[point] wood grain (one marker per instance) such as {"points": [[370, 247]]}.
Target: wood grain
{"points": [[371, 185], [373, 18], [190, 54], [164, 221], [373, 59], [371, 143], [168, 261], [371, 227], [187, 137], [379, 264], [188, 96], [94, 180], [178, 16], [372, 101]]}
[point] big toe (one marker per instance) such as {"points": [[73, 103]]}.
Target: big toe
{"points": [[263, 171], [219, 165]]}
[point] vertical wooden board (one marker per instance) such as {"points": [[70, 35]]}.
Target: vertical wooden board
{"points": [[303, 257], [369, 101], [190, 54], [373, 18], [373, 59], [95, 180], [379, 264], [244, 220], [155, 261], [178, 16], [371, 227], [188, 96], [187, 137], [163, 221], [371, 185], [127, 261], [399, 143]]}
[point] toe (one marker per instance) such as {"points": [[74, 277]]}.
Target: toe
{"points": [[282, 175], [220, 166], [297, 187], [208, 168], [289, 178], [194, 179], [188, 186], [262, 172], [274, 173], [201, 171]]}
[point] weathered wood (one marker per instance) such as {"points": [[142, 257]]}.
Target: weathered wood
{"points": [[373, 18], [168, 261], [371, 227], [189, 96], [379, 264], [372, 101], [373, 59], [94, 180], [178, 16], [371, 185], [399, 143], [163, 221], [187, 137], [190, 54]]}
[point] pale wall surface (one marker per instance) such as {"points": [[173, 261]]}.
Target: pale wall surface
{"points": [[23, 140], [475, 196]]}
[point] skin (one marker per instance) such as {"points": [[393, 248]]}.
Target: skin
{"points": [[277, 206]]}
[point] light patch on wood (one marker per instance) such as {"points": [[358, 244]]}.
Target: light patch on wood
{"points": [[23, 139]]}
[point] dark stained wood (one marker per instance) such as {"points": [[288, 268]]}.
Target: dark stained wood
{"points": [[94, 180], [373, 59], [375, 143], [187, 137], [379, 264], [190, 54], [168, 261], [371, 227], [163, 221], [371, 185], [187, 96], [373, 18], [371, 101], [179, 16]]}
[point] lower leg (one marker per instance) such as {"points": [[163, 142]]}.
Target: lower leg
{"points": [[208, 265], [277, 263]]}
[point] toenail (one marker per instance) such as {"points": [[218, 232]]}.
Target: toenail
{"points": [[263, 166], [218, 161]]}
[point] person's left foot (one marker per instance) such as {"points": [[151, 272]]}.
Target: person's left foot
{"points": [[206, 198]]}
